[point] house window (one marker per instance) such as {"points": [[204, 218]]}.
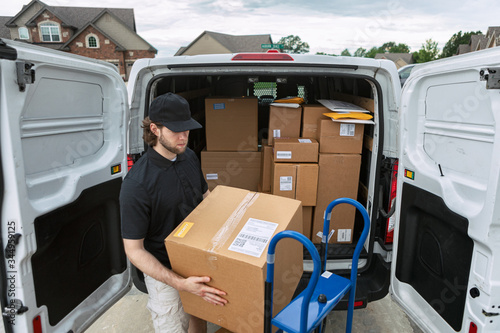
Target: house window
{"points": [[92, 41], [23, 33], [50, 32]]}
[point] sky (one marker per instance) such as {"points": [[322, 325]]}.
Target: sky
{"points": [[328, 26]]}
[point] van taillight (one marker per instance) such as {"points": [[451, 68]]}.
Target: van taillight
{"points": [[269, 56], [472, 328], [130, 161], [37, 325], [389, 234]]}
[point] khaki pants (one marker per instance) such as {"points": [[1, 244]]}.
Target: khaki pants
{"points": [[166, 308]]}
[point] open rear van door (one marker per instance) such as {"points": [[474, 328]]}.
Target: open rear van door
{"points": [[63, 127], [446, 270]]}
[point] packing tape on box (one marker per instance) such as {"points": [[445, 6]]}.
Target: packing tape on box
{"points": [[232, 222]]}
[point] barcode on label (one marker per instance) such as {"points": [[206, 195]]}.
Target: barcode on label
{"points": [[212, 176], [347, 129], [276, 133], [239, 242], [253, 238], [284, 155]]}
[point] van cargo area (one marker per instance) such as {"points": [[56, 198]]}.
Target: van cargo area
{"points": [[232, 146]]}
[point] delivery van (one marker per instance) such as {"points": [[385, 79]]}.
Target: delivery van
{"points": [[426, 169]]}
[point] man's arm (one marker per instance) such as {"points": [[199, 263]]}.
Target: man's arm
{"points": [[149, 265]]}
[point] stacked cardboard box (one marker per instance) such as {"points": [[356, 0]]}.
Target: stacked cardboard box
{"points": [[231, 156], [339, 162]]}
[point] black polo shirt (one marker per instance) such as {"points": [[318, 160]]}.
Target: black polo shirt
{"points": [[156, 195]]}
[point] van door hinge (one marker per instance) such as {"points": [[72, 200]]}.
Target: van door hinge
{"points": [[491, 76], [25, 75], [14, 308]]}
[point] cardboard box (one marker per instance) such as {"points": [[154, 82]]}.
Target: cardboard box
{"points": [[266, 169], [231, 124], [310, 116], [338, 177], [296, 150], [307, 216], [296, 181], [237, 169], [340, 138], [284, 122], [215, 240]]}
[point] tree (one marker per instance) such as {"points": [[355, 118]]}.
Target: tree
{"points": [[428, 52], [345, 53], [293, 44], [328, 54], [389, 47], [360, 52], [451, 47]]}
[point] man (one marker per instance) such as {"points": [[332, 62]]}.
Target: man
{"points": [[160, 190]]}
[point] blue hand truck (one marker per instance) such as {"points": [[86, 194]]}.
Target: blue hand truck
{"points": [[306, 312]]}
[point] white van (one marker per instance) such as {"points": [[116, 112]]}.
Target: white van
{"points": [[69, 129]]}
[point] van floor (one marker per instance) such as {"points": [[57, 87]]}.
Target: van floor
{"points": [[130, 315]]}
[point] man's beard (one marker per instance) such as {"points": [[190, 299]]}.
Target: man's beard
{"points": [[170, 148]]}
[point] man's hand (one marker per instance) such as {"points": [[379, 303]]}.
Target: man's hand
{"points": [[196, 285]]}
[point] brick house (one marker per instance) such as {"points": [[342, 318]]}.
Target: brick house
{"points": [[107, 34]]}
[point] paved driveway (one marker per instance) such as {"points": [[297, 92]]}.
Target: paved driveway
{"points": [[130, 315]]}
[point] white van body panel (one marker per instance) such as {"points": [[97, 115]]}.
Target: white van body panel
{"points": [[446, 269], [59, 137]]}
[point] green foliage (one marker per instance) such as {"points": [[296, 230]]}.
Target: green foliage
{"points": [[345, 53], [293, 44], [428, 52], [360, 52], [451, 47], [389, 47]]}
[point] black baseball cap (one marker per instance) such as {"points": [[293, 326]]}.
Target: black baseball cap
{"points": [[172, 111]]}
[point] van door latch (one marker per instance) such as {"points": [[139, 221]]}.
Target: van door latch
{"points": [[15, 307], [25, 74], [491, 76]]}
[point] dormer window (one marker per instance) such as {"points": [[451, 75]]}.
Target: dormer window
{"points": [[50, 32], [23, 33], [92, 41]]}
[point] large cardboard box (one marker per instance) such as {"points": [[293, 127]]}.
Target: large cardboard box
{"points": [[340, 138], [284, 122], [338, 177], [226, 238], [310, 116], [237, 169], [297, 181], [266, 169], [295, 150], [231, 124]]}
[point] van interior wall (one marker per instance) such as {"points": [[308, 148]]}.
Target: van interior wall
{"points": [[195, 88]]}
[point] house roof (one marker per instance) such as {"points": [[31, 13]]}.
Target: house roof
{"points": [[243, 43], [78, 17], [4, 31], [406, 57], [478, 42], [493, 31], [463, 48]]}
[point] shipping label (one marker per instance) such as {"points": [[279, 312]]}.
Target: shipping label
{"points": [[276, 133], [286, 183], [305, 141], [284, 155], [212, 176], [347, 129], [253, 237], [344, 235]]}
